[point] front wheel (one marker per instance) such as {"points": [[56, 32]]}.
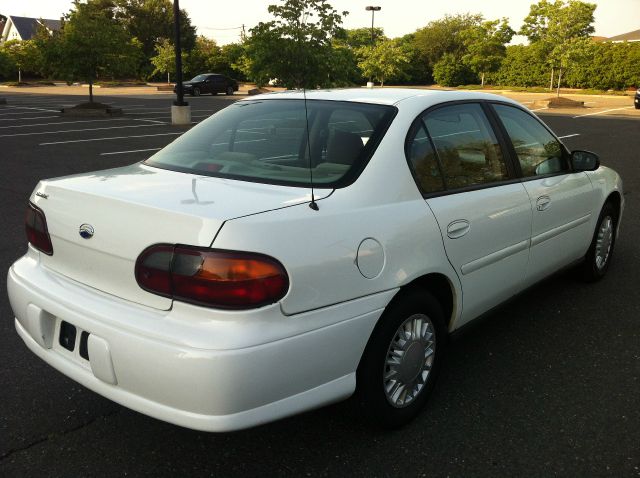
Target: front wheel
{"points": [[196, 92], [401, 361], [598, 257], [229, 90]]}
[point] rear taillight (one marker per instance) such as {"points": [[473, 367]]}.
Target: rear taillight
{"points": [[211, 277], [36, 228]]}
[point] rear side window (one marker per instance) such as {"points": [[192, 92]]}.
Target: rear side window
{"points": [[466, 146], [538, 151], [423, 161], [268, 141]]}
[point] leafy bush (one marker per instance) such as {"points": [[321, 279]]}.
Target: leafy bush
{"points": [[451, 71]]}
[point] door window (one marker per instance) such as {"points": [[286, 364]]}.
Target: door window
{"points": [[538, 151], [466, 146]]}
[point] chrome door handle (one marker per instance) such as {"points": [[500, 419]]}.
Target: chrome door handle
{"points": [[543, 203], [458, 228]]}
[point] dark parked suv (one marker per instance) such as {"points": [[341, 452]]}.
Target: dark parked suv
{"points": [[209, 83], [637, 99]]}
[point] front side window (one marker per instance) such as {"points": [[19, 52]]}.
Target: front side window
{"points": [[267, 141], [466, 145], [538, 151]]}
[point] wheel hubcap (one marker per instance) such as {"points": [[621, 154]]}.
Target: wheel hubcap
{"points": [[603, 242], [409, 360]]}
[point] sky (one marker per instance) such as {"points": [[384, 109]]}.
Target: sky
{"points": [[398, 17]]}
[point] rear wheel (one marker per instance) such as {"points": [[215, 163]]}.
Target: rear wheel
{"points": [[229, 90], [598, 257], [401, 361]]}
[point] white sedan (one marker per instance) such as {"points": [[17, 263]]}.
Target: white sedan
{"points": [[294, 249]]}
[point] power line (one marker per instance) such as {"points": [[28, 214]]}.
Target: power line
{"points": [[230, 28]]}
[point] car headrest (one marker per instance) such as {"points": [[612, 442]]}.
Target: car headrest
{"points": [[343, 147]]}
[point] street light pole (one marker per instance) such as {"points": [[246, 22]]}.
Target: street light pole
{"points": [[373, 10], [180, 111]]}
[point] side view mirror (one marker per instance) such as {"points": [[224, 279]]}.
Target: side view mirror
{"points": [[584, 161]]}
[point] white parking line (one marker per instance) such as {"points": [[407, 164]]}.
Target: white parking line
{"points": [[31, 108], [569, 136], [72, 122], [146, 119], [79, 130], [540, 109], [27, 119], [26, 113], [132, 151], [602, 112], [107, 139]]}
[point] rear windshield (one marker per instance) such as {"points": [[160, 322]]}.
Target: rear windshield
{"points": [[267, 141]]}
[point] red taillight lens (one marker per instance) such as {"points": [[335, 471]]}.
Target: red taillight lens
{"points": [[225, 279], [36, 227]]}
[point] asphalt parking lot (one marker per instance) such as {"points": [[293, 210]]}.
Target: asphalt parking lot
{"points": [[549, 385]]}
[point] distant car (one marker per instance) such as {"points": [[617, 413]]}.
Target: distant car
{"points": [[209, 83], [296, 248], [637, 99]]}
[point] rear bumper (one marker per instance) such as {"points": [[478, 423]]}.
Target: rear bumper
{"points": [[197, 368]]}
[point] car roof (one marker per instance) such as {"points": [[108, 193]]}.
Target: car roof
{"points": [[388, 96]]}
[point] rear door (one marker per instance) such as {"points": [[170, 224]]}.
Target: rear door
{"points": [[562, 201], [219, 84], [483, 211]]}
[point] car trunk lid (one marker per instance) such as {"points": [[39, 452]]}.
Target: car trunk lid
{"points": [[134, 207]]}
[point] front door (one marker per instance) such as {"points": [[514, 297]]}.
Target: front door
{"points": [[562, 201]]}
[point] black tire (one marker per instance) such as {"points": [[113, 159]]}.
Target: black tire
{"points": [[196, 91], [374, 369], [598, 257], [229, 90]]}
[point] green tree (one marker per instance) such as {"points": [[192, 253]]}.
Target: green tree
{"points": [[151, 21], [231, 54], [207, 56], [573, 53], [7, 67], [295, 47], [551, 25], [450, 71], [23, 56], [383, 60], [164, 61], [360, 37], [485, 45], [523, 65], [93, 44], [440, 37]]}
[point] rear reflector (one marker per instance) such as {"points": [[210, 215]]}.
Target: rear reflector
{"points": [[36, 229], [212, 277]]}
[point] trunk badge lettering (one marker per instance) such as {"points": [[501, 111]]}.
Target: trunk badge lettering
{"points": [[42, 195], [86, 231]]}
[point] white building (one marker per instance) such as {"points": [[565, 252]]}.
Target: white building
{"points": [[24, 28]]}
